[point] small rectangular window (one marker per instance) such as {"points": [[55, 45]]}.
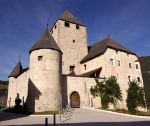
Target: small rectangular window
{"points": [[118, 62], [72, 68], [138, 79], [52, 31], [73, 40], [55, 26], [85, 67], [130, 65], [67, 24], [129, 78], [77, 26], [111, 61], [40, 58], [137, 66]]}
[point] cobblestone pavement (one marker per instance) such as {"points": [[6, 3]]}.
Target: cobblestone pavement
{"points": [[76, 117]]}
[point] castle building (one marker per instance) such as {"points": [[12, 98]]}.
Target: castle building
{"points": [[63, 68]]}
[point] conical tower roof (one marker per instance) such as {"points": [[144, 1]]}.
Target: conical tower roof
{"points": [[46, 41], [67, 16], [17, 69]]}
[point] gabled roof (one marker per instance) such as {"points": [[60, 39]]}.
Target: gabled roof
{"points": [[100, 47], [17, 69], [88, 74], [46, 41], [67, 16]]}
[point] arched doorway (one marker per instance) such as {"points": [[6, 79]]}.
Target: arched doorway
{"points": [[75, 100]]}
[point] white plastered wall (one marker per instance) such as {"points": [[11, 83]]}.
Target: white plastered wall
{"points": [[121, 72], [45, 80], [81, 85], [18, 85]]}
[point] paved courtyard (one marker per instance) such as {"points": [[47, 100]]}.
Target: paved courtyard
{"points": [[76, 117]]}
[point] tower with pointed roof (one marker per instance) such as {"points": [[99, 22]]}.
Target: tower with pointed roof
{"points": [[12, 82], [70, 35], [45, 75]]}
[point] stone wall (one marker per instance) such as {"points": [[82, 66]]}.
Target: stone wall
{"points": [[73, 44], [18, 85], [81, 85], [45, 80]]}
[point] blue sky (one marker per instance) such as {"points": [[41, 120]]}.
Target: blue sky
{"points": [[23, 21]]}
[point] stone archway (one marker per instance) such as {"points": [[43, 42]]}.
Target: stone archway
{"points": [[75, 100]]}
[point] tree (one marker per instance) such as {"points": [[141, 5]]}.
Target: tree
{"points": [[108, 90], [113, 89], [135, 97], [98, 89]]}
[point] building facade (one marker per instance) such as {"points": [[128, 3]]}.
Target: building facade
{"points": [[63, 68]]}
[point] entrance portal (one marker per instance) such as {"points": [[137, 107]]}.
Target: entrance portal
{"points": [[75, 100]]}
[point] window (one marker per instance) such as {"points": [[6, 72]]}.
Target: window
{"points": [[118, 62], [138, 79], [129, 78], [111, 61], [52, 31], [130, 65], [77, 26], [40, 58], [55, 26], [85, 67], [73, 40], [117, 52], [137, 66], [67, 24], [72, 68]]}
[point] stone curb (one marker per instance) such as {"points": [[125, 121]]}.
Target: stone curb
{"points": [[118, 113]]}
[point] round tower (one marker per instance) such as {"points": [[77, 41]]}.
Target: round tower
{"points": [[44, 90]]}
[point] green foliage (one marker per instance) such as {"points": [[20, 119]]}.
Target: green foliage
{"points": [[108, 90], [135, 97], [3, 90], [98, 89], [105, 100], [4, 82], [113, 88], [145, 67]]}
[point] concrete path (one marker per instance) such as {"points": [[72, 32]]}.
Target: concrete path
{"points": [[76, 117]]}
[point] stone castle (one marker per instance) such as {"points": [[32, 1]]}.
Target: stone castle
{"points": [[62, 66]]}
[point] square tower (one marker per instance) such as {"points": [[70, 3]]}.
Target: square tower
{"points": [[70, 35]]}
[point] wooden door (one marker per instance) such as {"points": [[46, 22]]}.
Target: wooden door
{"points": [[75, 100]]}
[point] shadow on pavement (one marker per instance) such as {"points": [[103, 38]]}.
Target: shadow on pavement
{"points": [[141, 123], [8, 116]]}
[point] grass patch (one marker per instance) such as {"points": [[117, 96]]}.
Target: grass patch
{"points": [[19, 111], [139, 113]]}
